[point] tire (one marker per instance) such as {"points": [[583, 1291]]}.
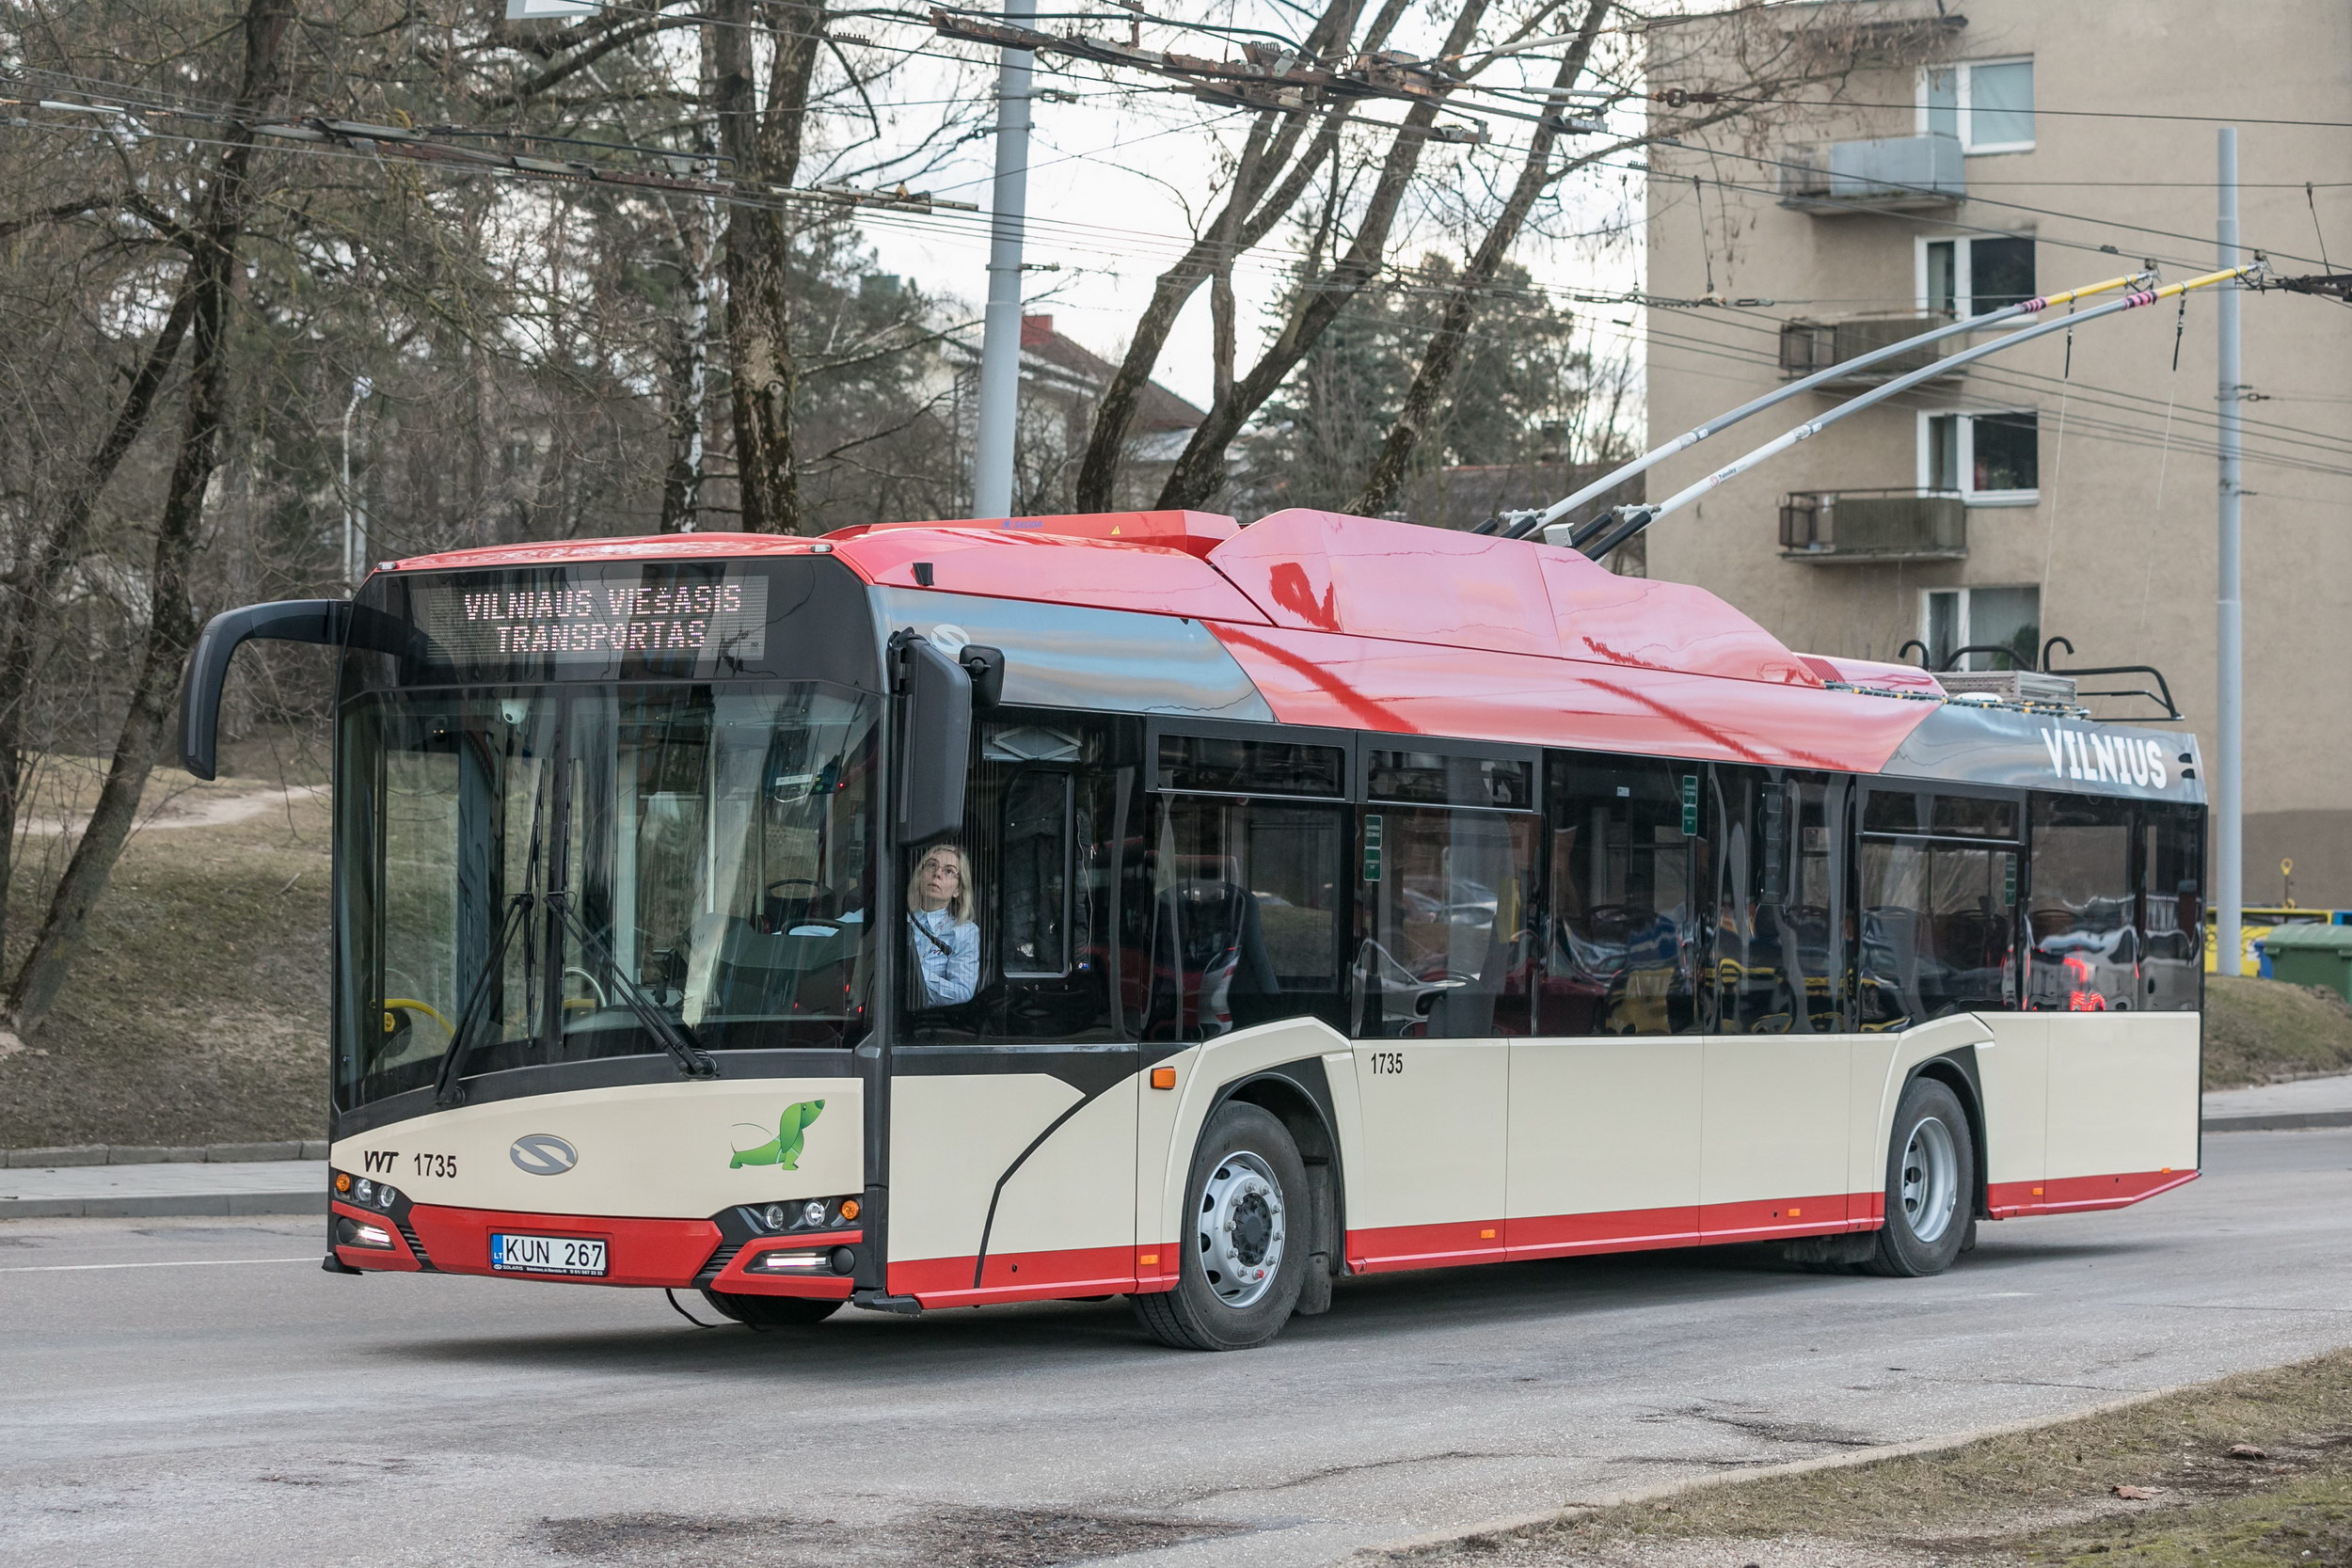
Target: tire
{"points": [[772, 1311], [1247, 1243], [1930, 1184]]}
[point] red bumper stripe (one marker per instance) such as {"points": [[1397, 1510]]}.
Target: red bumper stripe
{"points": [[398, 1260], [638, 1251], [2070, 1195]]}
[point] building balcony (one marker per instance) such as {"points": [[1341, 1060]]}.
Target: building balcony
{"points": [[1808, 346], [1888, 174], [1855, 528]]}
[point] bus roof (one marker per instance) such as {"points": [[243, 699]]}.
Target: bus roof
{"points": [[1368, 624]]}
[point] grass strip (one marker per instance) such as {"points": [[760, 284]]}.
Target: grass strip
{"points": [[2251, 1471]]}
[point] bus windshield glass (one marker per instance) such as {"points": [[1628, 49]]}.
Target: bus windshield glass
{"points": [[564, 872]]}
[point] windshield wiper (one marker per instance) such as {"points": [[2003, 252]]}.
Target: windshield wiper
{"points": [[446, 1089], [676, 1038]]}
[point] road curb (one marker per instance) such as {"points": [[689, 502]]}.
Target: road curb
{"points": [[155, 1154], [150, 1206], [1569, 1513], [2277, 1121]]}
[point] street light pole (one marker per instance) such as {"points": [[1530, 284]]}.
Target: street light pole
{"points": [[354, 519], [1000, 340], [2229, 667]]}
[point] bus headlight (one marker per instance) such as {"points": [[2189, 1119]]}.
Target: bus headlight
{"points": [[386, 1197], [365, 1191], [813, 1212], [773, 1216]]}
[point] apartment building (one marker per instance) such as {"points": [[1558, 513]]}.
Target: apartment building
{"points": [[2067, 490]]}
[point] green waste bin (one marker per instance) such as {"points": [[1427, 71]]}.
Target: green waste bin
{"points": [[2312, 955]]}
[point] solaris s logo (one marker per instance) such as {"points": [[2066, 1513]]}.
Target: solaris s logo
{"points": [[543, 1155]]}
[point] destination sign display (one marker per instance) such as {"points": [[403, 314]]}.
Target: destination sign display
{"points": [[665, 616]]}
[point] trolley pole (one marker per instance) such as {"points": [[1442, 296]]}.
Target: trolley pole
{"points": [[2229, 665], [1000, 340]]}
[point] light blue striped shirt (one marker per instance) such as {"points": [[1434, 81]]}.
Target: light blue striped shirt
{"points": [[950, 966]]}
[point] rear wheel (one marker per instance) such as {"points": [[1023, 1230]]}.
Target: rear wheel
{"points": [[1931, 1183], [1246, 1241], [772, 1311]]}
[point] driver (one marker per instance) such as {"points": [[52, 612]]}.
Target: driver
{"points": [[944, 937]]}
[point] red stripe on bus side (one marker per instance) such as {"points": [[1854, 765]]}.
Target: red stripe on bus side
{"points": [[1019, 1275], [2065, 1194]]}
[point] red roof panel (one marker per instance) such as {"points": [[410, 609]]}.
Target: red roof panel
{"points": [[1319, 678]]}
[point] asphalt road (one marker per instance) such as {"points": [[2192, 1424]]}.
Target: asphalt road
{"points": [[232, 1404]]}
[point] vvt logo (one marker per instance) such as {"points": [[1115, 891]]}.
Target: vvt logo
{"points": [[543, 1155]]}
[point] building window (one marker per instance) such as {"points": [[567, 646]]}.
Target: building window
{"points": [[1969, 277], [1987, 105], [1990, 459], [2008, 619]]}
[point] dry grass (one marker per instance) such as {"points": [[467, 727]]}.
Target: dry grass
{"points": [[2262, 1031], [197, 1013], [2042, 1497]]}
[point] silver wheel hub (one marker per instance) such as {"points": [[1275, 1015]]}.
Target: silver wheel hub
{"points": [[1240, 1229], [1929, 1185]]}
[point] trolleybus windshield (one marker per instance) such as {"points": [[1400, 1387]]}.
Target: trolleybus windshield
{"points": [[572, 862]]}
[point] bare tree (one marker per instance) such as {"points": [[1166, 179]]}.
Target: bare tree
{"points": [[206, 293]]}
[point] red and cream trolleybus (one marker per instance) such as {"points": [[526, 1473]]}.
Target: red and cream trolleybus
{"points": [[955, 913]]}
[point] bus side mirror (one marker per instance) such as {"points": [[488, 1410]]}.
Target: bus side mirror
{"points": [[936, 756], [986, 666], [288, 621]]}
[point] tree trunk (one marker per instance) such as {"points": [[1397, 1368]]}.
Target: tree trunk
{"points": [[41, 576], [1199, 472], [764, 142], [1442, 356], [1262, 171], [208, 287]]}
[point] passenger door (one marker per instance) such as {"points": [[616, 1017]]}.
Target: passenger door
{"points": [[1605, 1094], [1778, 1126], [1013, 1114], [1448, 876]]}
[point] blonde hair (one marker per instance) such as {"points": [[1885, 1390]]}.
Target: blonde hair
{"points": [[959, 906]]}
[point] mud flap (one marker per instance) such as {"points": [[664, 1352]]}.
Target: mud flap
{"points": [[1315, 1291]]}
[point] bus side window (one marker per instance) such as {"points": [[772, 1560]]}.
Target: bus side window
{"points": [[2081, 918], [1242, 923], [1619, 954], [2172, 906], [1779, 903], [1938, 901]]}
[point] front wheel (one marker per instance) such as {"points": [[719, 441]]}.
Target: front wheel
{"points": [[1245, 1242], [1930, 1184], [772, 1311]]}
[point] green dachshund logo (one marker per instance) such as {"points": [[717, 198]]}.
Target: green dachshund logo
{"points": [[784, 1152]]}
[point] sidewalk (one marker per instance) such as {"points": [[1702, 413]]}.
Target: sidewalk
{"points": [[2305, 1102], [149, 1191]]}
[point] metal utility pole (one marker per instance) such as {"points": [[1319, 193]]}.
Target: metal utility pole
{"points": [[2229, 665], [355, 516], [1000, 341]]}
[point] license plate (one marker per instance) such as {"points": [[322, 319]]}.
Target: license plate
{"points": [[546, 1255]]}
